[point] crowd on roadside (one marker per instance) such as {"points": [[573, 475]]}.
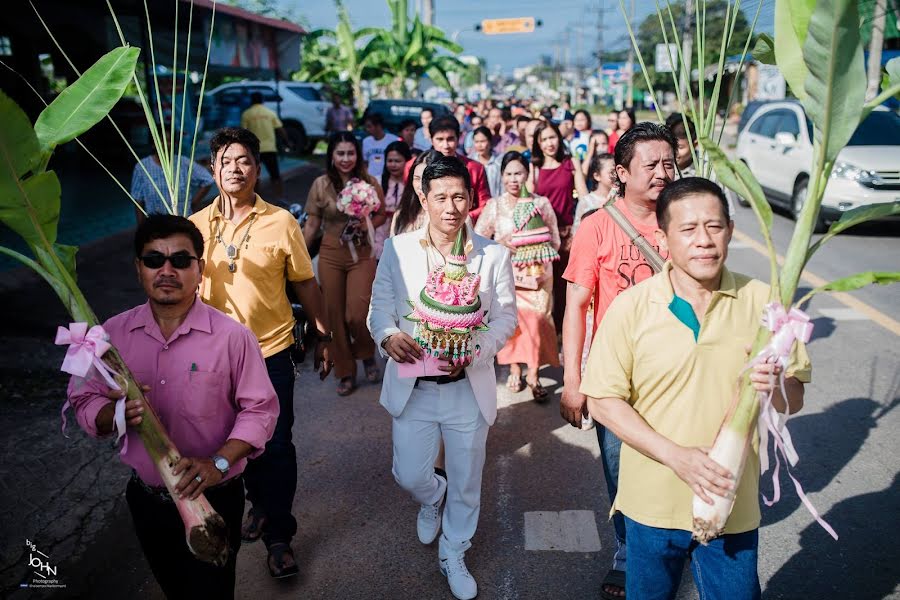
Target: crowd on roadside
{"points": [[485, 175]]}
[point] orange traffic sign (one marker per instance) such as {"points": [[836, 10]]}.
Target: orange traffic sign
{"points": [[516, 25]]}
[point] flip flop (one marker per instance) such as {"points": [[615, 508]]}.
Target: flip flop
{"points": [[614, 578], [252, 529], [278, 551]]}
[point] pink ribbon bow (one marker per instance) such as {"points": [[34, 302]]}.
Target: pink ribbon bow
{"points": [[83, 358], [787, 327]]}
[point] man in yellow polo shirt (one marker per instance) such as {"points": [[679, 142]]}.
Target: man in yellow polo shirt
{"points": [[252, 251], [265, 125], [661, 375]]}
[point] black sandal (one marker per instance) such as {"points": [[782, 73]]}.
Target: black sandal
{"points": [[346, 386], [538, 391], [252, 529], [615, 579], [373, 373], [278, 551]]}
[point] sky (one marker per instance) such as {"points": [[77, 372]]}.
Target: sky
{"points": [[516, 50]]}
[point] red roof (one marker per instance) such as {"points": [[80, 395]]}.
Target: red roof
{"points": [[240, 13]]}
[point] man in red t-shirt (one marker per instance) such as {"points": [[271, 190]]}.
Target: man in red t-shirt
{"points": [[445, 139], [604, 262]]}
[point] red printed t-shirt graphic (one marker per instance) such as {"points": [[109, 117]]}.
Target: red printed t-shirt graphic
{"points": [[605, 260]]}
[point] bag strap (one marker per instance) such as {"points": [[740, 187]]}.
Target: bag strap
{"points": [[649, 253]]}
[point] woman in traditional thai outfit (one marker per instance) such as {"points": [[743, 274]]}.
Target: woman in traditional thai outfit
{"points": [[517, 216]]}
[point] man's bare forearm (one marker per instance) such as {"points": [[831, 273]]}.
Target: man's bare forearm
{"points": [[310, 297], [795, 391], [574, 332], [235, 450], [621, 418]]}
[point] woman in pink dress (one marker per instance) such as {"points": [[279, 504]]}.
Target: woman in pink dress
{"points": [[552, 175], [534, 342]]}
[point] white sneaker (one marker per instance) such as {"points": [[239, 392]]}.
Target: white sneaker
{"points": [[453, 567], [428, 523]]}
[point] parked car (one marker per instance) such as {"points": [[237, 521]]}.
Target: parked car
{"points": [[777, 145], [300, 106], [395, 112]]}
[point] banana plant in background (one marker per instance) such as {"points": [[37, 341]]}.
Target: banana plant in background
{"points": [[30, 206], [168, 139], [817, 48], [338, 54], [410, 50]]}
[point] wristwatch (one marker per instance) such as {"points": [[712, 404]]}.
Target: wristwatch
{"points": [[325, 338], [385, 340], [221, 464]]}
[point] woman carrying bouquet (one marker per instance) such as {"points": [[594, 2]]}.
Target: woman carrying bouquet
{"points": [[534, 342], [346, 257]]}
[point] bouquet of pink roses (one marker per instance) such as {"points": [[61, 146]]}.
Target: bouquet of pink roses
{"points": [[358, 200]]}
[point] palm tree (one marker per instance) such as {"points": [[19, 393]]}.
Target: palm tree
{"points": [[338, 54], [406, 52]]}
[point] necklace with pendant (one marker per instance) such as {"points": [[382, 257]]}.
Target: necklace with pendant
{"points": [[231, 251]]}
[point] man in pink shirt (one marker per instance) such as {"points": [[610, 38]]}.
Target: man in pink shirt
{"points": [[205, 377]]}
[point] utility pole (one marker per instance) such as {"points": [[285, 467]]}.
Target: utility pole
{"points": [[687, 44], [629, 98], [428, 12], [879, 14], [601, 11]]}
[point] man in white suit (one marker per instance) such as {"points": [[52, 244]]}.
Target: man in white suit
{"points": [[460, 406]]}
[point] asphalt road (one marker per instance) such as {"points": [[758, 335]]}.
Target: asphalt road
{"points": [[357, 536]]}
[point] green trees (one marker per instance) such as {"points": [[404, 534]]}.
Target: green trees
{"points": [[714, 24], [337, 54], [408, 51], [391, 57]]}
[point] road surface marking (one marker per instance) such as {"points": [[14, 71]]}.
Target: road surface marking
{"points": [[816, 281], [842, 314], [566, 531]]}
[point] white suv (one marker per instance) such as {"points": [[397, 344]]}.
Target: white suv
{"points": [[777, 145], [300, 106]]}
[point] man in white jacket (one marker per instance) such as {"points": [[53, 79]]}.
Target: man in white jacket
{"points": [[460, 406]]}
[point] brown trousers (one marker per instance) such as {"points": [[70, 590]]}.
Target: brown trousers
{"points": [[347, 288], [559, 285]]}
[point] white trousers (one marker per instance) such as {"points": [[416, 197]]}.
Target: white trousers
{"points": [[451, 412]]}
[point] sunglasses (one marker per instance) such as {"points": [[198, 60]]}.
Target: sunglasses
{"points": [[179, 261]]}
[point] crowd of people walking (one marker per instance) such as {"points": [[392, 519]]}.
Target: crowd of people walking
{"points": [[516, 199]]}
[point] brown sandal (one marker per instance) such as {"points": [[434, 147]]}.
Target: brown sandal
{"points": [[346, 386]]}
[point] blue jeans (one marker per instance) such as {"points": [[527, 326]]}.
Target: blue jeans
{"points": [[610, 448], [271, 478], [723, 570]]}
